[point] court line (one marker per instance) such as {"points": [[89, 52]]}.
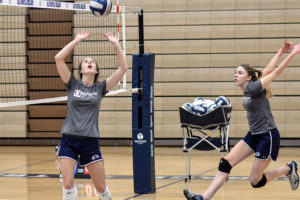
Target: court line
{"points": [[127, 177], [177, 178], [182, 179], [5, 170], [199, 177]]}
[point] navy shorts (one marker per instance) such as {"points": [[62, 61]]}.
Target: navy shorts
{"points": [[73, 146], [264, 145]]}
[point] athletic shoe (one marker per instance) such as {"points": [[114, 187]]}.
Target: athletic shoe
{"points": [[192, 196], [76, 192], [293, 175]]}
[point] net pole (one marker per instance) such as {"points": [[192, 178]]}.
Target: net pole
{"points": [[143, 116], [141, 32]]}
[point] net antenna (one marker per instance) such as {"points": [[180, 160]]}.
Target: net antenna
{"points": [[123, 35], [28, 74]]}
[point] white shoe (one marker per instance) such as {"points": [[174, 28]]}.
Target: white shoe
{"points": [[293, 175]]}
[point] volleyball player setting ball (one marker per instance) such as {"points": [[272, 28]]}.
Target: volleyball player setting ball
{"points": [[80, 131], [263, 138]]}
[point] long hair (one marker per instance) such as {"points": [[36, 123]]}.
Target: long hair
{"points": [[255, 74], [96, 75]]}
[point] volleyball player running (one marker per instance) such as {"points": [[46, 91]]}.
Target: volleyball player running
{"points": [[80, 129], [263, 138]]}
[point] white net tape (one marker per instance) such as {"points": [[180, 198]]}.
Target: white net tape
{"points": [[52, 5]]}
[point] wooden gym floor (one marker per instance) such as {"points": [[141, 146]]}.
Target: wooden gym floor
{"points": [[29, 173]]}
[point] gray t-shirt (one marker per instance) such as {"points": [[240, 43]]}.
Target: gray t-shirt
{"points": [[258, 109], [83, 108]]}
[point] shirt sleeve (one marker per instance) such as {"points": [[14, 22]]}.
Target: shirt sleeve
{"points": [[254, 88], [71, 82], [102, 87]]}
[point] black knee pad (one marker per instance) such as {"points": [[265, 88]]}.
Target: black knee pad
{"points": [[224, 166], [261, 183]]}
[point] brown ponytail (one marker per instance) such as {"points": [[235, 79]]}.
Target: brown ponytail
{"points": [[259, 73], [256, 74]]}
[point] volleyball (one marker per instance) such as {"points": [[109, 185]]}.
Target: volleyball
{"points": [[212, 107], [207, 103], [100, 7], [187, 106], [199, 109], [222, 101], [198, 101]]}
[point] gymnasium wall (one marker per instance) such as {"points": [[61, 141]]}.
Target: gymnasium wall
{"points": [[13, 60], [198, 45]]}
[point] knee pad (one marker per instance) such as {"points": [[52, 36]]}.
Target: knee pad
{"points": [[105, 195], [261, 183], [70, 194], [224, 166]]}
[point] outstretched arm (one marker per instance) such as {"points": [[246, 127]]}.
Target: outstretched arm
{"points": [[266, 80], [272, 64], [122, 64], [61, 66]]}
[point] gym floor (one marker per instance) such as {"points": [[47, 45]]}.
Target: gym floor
{"points": [[30, 173]]}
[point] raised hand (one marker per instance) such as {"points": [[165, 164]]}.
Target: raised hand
{"points": [[287, 46], [113, 79], [82, 35], [112, 38], [296, 49]]}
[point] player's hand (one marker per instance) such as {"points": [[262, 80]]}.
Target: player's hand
{"points": [[287, 46], [296, 49], [113, 38], [82, 35]]}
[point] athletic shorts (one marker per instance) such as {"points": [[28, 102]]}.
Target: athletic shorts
{"points": [[264, 145], [74, 146]]}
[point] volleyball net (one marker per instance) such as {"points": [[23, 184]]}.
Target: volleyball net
{"points": [[32, 32]]}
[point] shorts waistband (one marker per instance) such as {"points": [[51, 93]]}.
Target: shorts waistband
{"points": [[79, 136]]}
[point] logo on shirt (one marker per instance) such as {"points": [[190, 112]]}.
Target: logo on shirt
{"points": [[246, 100], [85, 95]]}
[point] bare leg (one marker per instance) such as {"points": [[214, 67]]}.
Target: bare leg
{"points": [[219, 179], [67, 167], [96, 170], [258, 169], [275, 173], [239, 152]]}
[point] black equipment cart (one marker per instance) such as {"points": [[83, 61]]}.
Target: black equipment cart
{"points": [[206, 132]]}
